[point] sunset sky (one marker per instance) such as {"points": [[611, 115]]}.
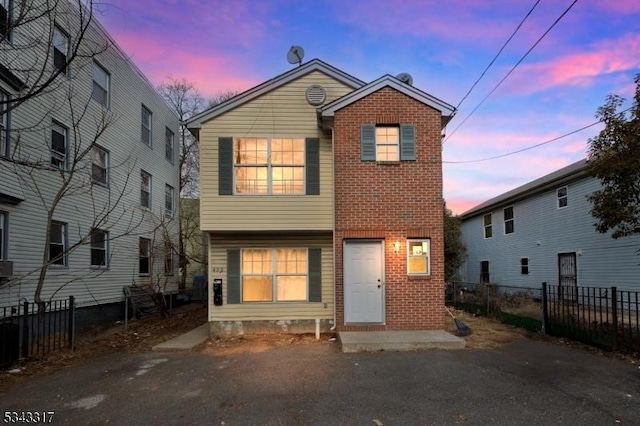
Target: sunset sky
{"points": [[594, 50]]}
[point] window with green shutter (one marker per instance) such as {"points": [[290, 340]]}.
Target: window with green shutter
{"points": [[387, 142]]}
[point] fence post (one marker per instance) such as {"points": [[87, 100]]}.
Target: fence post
{"points": [[25, 330], [72, 322], [545, 312], [614, 313]]}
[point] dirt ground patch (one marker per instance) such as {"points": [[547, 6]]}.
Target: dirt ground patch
{"points": [[147, 332]]}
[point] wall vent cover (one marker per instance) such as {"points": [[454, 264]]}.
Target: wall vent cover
{"points": [[316, 95]]}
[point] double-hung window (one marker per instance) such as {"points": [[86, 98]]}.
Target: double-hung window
{"points": [[488, 231], [169, 268], [58, 244], [169, 195], [388, 143], [101, 85], [99, 248], [99, 165], [169, 139], [145, 189], [5, 19], [418, 257], [146, 126], [524, 265], [509, 227], [269, 165], [279, 275], [4, 218], [59, 146], [4, 125], [144, 264], [562, 196], [60, 49]]}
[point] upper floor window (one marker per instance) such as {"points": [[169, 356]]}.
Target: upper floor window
{"points": [[59, 146], [101, 85], [145, 189], [60, 49], [168, 144], [58, 244], [4, 125], [146, 126], [388, 143], [169, 195], [99, 250], [4, 218], [508, 220], [269, 166], [99, 165], [418, 255], [561, 194], [6, 9], [488, 231]]}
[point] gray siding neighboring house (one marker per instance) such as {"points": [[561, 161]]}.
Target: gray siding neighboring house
{"points": [[543, 232], [109, 179]]}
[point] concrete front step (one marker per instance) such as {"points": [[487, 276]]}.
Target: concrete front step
{"points": [[369, 341]]}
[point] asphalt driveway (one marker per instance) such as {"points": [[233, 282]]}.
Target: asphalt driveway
{"points": [[525, 383]]}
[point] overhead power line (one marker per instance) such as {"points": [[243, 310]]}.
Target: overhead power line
{"points": [[513, 68], [497, 55]]}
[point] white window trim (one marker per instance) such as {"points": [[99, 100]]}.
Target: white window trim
{"points": [[148, 256], [62, 157], [274, 275], [148, 189], [522, 265], [269, 166], [169, 195], [565, 197], [105, 248], [170, 145], [512, 220], [106, 166], [411, 255], [396, 143], [67, 40], [485, 226], [146, 126], [107, 90], [64, 244]]}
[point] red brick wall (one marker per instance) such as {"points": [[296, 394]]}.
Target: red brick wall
{"points": [[392, 201]]}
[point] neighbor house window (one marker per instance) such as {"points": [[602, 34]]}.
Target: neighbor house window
{"points": [[145, 189], [4, 125], [146, 126], [488, 232], [508, 220], [58, 244], [524, 266], [484, 271], [168, 258], [99, 250], [5, 19], [4, 218], [60, 49], [99, 165], [418, 257], [59, 146], [387, 143], [563, 200], [269, 166], [145, 256], [168, 144], [169, 195], [274, 275], [101, 85]]}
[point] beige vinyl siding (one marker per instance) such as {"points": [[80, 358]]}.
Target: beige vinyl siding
{"points": [[271, 311], [283, 112]]}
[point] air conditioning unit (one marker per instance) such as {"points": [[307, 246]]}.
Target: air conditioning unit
{"points": [[6, 268]]}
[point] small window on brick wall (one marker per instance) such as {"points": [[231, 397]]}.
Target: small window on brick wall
{"points": [[388, 142]]}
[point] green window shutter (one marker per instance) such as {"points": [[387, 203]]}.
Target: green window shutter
{"points": [[368, 142], [233, 276], [408, 142], [312, 163], [225, 166], [315, 275]]}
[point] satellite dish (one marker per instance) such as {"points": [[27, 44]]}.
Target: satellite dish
{"points": [[295, 55], [405, 78]]}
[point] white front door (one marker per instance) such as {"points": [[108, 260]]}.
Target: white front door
{"points": [[363, 282]]}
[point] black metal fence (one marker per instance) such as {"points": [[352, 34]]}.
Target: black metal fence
{"points": [[32, 329], [604, 317]]}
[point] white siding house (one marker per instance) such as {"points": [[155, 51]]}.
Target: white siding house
{"points": [[543, 232], [101, 132]]}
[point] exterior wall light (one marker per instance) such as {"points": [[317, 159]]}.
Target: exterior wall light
{"points": [[396, 247]]}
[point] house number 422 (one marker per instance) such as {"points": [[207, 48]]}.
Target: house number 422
{"points": [[217, 269]]}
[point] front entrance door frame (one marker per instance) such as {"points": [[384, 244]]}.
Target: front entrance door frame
{"points": [[364, 290]]}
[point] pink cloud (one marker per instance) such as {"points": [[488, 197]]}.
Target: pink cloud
{"points": [[579, 68]]}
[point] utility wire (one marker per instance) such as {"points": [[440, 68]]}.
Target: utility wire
{"points": [[513, 68], [497, 55]]}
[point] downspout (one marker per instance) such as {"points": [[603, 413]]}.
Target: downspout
{"points": [[333, 234]]}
